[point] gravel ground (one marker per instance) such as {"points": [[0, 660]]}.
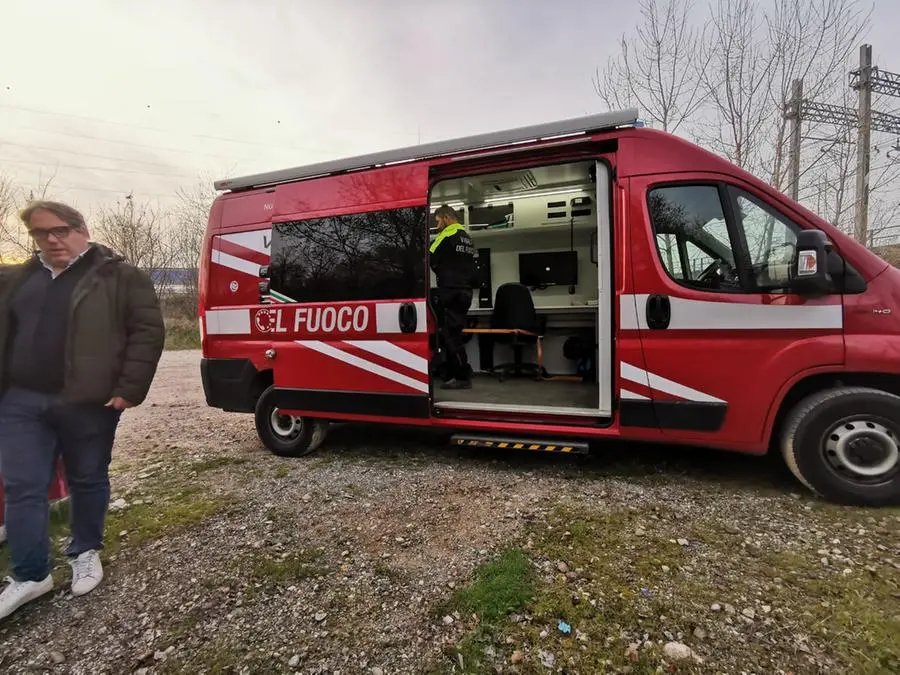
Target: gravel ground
{"points": [[224, 558]]}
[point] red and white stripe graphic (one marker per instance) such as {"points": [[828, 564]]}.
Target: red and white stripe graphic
{"points": [[243, 252], [650, 382], [382, 359]]}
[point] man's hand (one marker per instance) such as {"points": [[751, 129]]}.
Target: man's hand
{"points": [[118, 403]]}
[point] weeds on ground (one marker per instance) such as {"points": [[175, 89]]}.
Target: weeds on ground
{"points": [[614, 587], [182, 333], [166, 513], [303, 564], [213, 463]]}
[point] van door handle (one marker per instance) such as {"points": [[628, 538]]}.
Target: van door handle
{"points": [[659, 312], [408, 317]]}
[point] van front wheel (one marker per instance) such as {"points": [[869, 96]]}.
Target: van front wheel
{"points": [[286, 435], [844, 444]]}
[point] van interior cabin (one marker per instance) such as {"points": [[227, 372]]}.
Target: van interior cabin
{"points": [[532, 329]]}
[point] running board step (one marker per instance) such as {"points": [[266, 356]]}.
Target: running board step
{"points": [[542, 445]]}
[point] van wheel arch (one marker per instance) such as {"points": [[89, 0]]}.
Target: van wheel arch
{"points": [[843, 443], [813, 384], [286, 435]]}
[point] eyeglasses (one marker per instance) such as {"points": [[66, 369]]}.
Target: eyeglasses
{"points": [[42, 234]]}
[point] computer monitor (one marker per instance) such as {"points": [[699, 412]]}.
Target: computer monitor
{"points": [[551, 268]]}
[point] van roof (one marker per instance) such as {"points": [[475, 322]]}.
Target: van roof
{"points": [[569, 127]]}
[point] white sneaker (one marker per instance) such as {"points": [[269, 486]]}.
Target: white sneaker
{"points": [[87, 572], [2, 534], [20, 593]]}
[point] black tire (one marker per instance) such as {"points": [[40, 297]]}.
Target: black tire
{"points": [[844, 444], [284, 435]]}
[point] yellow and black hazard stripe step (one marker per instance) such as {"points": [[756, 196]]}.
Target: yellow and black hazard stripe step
{"points": [[542, 445]]}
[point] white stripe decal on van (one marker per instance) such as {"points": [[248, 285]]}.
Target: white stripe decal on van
{"points": [[387, 317], [640, 376], [392, 352], [256, 240], [632, 396], [228, 322], [710, 315], [362, 364], [235, 263]]}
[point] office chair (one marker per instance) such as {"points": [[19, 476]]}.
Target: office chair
{"points": [[514, 321]]}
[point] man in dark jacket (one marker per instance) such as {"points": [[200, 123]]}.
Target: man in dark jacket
{"points": [[452, 258], [81, 335]]}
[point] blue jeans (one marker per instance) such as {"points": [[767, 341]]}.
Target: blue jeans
{"points": [[35, 429]]}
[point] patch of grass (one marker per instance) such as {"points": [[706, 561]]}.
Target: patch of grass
{"points": [[168, 514], [500, 587], [623, 581], [282, 472], [215, 659], [182, 333], [213, 463], [304, 564]]}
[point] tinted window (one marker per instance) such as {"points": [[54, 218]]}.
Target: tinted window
{"points": [[771, 242], [365, 256], [692, 236]]}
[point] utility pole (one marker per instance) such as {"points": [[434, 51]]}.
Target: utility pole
{"points": [[793, 114], [863, 145], [866, 80]]}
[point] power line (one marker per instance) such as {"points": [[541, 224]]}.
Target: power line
{"points": [[157, 129], [81, 153], [167, 174], [158, 148]]}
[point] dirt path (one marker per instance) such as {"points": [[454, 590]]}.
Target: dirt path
{"points": [[228, 559]]}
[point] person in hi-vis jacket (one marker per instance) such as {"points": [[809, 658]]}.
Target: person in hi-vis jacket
{"points": [[452, 259]]}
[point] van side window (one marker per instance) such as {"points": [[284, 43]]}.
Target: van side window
{"points": [[771, 242], [379, 255], [692, 237]]}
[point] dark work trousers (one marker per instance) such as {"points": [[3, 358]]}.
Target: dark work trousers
{"points": [[454, 306], [34, 431]]}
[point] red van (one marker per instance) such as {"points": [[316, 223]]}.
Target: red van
{"points": [[631, 286]]}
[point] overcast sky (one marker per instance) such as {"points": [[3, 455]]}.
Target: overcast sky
{"points": [[115, 96]]}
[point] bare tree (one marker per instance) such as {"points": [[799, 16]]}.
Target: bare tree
{"points": [[810, 40], [737, 82], [14, 240], [137, 232], [658, 70], [188, 227]]}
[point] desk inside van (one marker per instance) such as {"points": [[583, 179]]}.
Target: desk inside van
{"points": [[549, 310], [557, 316]]}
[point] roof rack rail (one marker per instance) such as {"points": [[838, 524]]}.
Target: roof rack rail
{"points": [[568, 127]]}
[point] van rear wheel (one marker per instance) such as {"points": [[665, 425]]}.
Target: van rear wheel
{"points": [[844, 444], [286, 435]]}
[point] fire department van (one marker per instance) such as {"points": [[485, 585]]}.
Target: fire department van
{"points": [[631, 286]]}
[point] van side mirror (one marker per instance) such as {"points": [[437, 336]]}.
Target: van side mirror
{"points": [[809, 268]]}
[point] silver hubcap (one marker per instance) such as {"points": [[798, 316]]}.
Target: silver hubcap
{"points": [[864, 449], [286, 427]]}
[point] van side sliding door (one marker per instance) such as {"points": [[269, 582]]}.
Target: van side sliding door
{"points": [[349, 328]]}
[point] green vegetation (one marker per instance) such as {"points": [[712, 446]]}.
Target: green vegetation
{"points": [[165, 514], [304, 564], [624, 588], [499, 588], [219, 462], [182, 333]]}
